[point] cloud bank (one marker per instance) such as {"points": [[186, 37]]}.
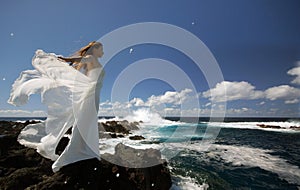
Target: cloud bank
{"points": [[170, 103]]}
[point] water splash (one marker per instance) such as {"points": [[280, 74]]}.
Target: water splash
{"points": [[148, 118]]}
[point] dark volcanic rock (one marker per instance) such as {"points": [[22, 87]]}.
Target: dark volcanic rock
{"points": [[277, 127], [118, 126], [114, 135], [136, 137], [295, 127], [61, 145], [24, 168], [269, 126], [115, 127]]}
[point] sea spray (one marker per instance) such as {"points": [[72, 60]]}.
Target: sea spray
{"points": [[147, 117]]}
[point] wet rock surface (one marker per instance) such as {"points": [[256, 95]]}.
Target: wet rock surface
{"points": [[24, 168], [136, 137]]}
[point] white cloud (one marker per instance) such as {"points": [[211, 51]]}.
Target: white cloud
{"points": [[22, 113], [228, 91], [106, 103], [237, 110], [171, 112], [166, 104], [286, 92], [294, 101], [108, 108], [295, 72], [137, 102], [170, 103], [170, 97]]}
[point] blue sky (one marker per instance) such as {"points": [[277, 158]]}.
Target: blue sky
{"points": [[255, 42]]}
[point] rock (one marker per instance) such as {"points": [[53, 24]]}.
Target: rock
{"points": [[115, 127], [118, 126], [20, 167], [129, 125], [295, 127], [136, 137], [24, 168], [7, 141], [120, 136], [104, 175], [114, 135], [269, 126], [134, 158], [145, 168], [277, 127], [61, 145]]}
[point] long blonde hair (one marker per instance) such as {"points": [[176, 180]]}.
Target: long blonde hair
{"points": [[88, 49]]}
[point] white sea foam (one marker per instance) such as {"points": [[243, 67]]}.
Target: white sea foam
{"points": [[243, 156], [148, 128], [254, 157], [187, 183], [25, 120], [285, 126], [108, 145], [147, 117]]}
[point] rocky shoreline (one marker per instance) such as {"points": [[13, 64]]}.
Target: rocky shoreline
{"points": [[277, 127], [24, 168]]}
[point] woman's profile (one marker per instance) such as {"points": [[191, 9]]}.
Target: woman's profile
{"points": [[71, 94]]}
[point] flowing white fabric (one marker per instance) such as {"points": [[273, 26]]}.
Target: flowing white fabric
{"points": [[72, 99]]}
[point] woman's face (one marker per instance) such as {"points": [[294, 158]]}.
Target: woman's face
{"points": [[98, 52]]}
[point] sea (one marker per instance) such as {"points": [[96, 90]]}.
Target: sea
{"points": [[209, 153]]}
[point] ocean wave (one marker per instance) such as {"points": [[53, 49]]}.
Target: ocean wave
{"points": [[286, 126], [187, 183], [233, 157], [146, 117]]}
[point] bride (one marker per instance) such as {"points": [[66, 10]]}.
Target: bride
{"points": [[71, 94]]}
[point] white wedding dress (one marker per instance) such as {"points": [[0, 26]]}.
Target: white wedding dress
{"points": [[72, 99]]}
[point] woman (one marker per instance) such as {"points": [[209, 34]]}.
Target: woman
{"points": [[72, 98]]}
